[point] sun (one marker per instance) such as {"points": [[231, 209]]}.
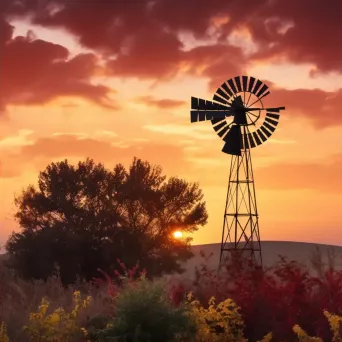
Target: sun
{"points": [[177, 234]]}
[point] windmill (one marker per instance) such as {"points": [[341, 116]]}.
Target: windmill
{"points": [[239, 118]]}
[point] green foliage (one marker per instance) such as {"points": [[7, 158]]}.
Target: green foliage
{"points": [[144, 314], [84, 217]]}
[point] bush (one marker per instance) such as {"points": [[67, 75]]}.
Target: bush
{"points": [[144, 313], [221, 322], [59, 325], [276, 299]]}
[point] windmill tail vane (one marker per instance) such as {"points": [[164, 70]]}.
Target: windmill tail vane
{"points": [[239, 118]]}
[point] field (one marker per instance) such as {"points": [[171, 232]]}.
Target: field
{"points": [[244, 305], [301, 252]]}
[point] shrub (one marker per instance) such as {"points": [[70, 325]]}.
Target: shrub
{"points": [[59, 326], [144, 313], [3, 333], [221, 322], [276, 299]]}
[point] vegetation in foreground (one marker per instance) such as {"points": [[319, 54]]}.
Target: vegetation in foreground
{"points": [[284, 303]]}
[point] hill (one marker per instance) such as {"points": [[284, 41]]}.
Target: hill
{"points": [[301, 252]]}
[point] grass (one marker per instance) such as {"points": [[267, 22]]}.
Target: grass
{"points": [[260, 299]]}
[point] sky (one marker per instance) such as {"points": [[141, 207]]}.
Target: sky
{"points": [[112, 79]]}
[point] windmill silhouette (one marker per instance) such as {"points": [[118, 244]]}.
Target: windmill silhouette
{"points": [[239, 118]]}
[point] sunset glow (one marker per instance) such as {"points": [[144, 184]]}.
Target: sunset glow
{"points": [[178, 234]]}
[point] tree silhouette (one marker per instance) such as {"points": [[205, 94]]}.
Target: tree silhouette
{"points": [[84, 217]]}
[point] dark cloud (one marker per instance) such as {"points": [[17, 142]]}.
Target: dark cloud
{"points": [[313, 37], [214, 62], [298, 31], [160, 103], [36, 71], [150, 52], [136, 39], [320, 107], [141, 40]]}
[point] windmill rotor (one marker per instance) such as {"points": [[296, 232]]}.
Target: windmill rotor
{"points": [[237, 114]]}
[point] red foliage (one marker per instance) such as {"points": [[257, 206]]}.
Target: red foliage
{"points": [[276, 299], [177, 294], [113, 283]]}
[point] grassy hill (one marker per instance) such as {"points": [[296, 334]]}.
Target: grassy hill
{"points": [[302, 252]]}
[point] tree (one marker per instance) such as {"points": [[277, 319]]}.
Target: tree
{"points": [[81, 218]]}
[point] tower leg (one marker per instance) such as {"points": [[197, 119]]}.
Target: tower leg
{"points": [[240, 233]]}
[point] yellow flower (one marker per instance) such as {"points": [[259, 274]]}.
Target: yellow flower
{"points": [[267, 338], [3, 333]]}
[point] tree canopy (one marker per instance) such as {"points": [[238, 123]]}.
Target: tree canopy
{"points": [[83, 217]]}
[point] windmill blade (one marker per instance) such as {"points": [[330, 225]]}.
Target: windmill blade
{"points": [[250, 140], [256, 87], [238, 83], [271, 121], [262, 90], [194, 116], [275, 110], [273, 116], [244, 83], [267, 128], [222, 124], [232, 86], [194, 103], [223, 94], [233, 141], [256, 139], [267, 93], [220, 99], [265, 131], [223, 131], [251, 84], [253, 139], [201, 104], [203, 110], [261, 135], [225, 87], [197, 116]]}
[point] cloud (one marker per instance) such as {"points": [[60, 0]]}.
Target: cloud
{"points": [[300, 32], [37, 155], [19, 139], [34, 71], [321, 108], [160, 103], [196, 132], [142, 39], [325, 175], [322, 176]]}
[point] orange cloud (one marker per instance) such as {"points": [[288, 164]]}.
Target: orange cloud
{"points": [[160, 103], [75, 147]]}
